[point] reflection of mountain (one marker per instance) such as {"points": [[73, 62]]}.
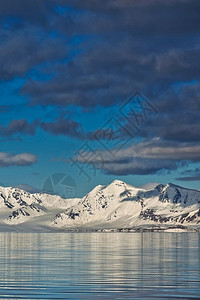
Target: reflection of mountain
{"points": [[76, 266], [115, 206]]}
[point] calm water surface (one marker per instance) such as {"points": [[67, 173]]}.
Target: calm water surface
{"points": [[99, 266]]}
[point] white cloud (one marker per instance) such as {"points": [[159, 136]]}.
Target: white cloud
{"points": [[22, 159]]}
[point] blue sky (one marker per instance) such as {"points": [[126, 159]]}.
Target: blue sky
{"points": [[67, 69]]}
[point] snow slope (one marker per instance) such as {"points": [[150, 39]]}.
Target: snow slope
{"points": [[115, 206]]}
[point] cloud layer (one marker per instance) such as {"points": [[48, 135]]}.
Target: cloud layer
{"points": [[22, 159], [147, 157], [84, 56]]}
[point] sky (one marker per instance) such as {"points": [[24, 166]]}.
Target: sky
{"points": [[92, 91]]}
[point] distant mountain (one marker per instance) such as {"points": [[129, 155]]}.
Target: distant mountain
{"points": [[149, 186], [117, 206], [18, 206]]}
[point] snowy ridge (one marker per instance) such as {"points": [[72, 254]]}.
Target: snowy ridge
{"points": [[18, 206], [116, 206]]}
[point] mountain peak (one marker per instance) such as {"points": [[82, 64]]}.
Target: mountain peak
{"points": [[172, 185], [117, 182]]}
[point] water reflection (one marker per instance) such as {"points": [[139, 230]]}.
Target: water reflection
{"points": [[99, 265]]}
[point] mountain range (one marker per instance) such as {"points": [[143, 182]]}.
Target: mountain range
{"points": [[115, 207]]}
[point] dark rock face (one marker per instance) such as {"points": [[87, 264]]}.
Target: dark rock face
{"points": [[73, 214], [16, 213], [149, 214], [18, 201], [163, 197]]}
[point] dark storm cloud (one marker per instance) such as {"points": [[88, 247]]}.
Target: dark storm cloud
{"points": [[18, 127], [90, 54], [31, 11], [22, 7], [143, 17], [22, 159], [25, 49], [178, 116], [145, 158], [64, 127], [62, 90], [193, 172], [190, 175], [60, 126], [192, 178], [126, 44], [122, 44], [179, 64]]}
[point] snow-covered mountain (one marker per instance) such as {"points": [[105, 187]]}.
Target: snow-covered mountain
{"points": [[117, 206], [18, 206]]}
